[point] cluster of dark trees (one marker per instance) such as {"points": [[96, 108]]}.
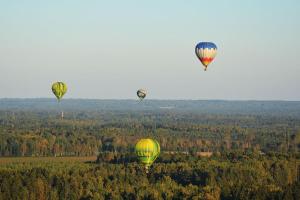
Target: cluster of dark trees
{"points": [[231, 175]]}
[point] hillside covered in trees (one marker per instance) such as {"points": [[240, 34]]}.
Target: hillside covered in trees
{"points": [[209, 149]]}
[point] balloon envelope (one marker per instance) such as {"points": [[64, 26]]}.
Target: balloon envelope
{"points": [[147, 150], [141, 93], [206, 52], [59, 89]]}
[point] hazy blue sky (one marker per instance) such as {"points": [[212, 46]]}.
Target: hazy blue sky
{"points": [[109, 49]]}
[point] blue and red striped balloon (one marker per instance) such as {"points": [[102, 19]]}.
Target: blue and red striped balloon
{"points": [[206, 52]]}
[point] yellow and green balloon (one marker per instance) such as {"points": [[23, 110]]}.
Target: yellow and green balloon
{"points": [[147, 150], [59, 89]]}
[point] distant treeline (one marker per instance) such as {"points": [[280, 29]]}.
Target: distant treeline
{"points": [[43, 133], [273, 108]]}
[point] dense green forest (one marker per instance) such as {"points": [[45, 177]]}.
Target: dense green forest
{"points": [[209, 149], [225, 176], [26, 131]]}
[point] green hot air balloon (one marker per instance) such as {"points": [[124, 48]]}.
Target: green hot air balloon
{"points": [[141, 93], [59, 89], [147, 150]]}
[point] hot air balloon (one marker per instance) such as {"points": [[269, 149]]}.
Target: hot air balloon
{"points": [[59, 89], [206, 52], [147, 150], [141, 93]]}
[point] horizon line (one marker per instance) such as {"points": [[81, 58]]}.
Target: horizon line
{"points": [[154, 99]]}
